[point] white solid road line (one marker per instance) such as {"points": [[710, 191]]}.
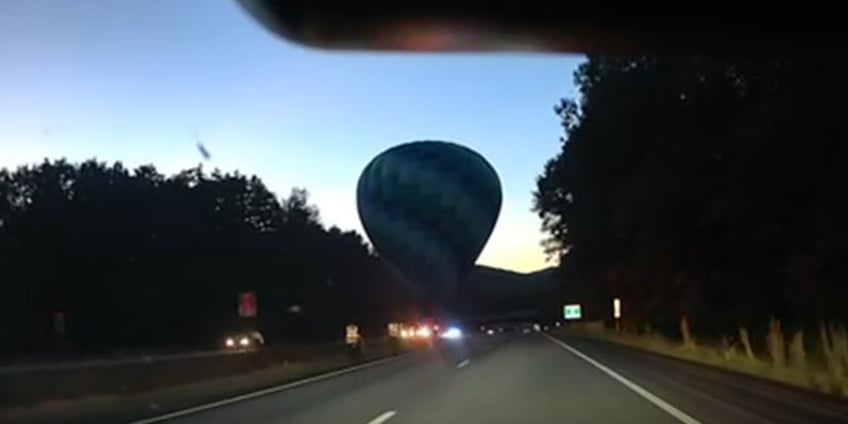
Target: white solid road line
{"points": [[385, 416], [463, 363], [650, 397], [264, 392]]}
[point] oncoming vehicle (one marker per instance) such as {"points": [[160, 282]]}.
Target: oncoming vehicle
{"points": [[452, 332], [246, 340]]}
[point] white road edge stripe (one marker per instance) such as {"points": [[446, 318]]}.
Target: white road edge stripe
{"points": [[264, 392], [650, 397], [463, 363], [385, 416]]}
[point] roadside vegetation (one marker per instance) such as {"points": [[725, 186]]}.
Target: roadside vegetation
{"points": [[813, 361], [713, 190], [134, 259]]}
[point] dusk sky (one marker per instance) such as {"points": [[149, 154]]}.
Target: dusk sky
{"points": [[136, 80]]}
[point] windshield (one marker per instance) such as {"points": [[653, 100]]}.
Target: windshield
{"points": [[202, 221]]}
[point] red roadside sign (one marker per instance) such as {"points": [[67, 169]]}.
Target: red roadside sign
{"points": [[247, 304]]}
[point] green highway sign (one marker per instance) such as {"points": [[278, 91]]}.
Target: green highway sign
{"points": [[572, 311]]}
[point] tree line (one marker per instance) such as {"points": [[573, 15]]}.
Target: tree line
{"points": [[714, 189], [137, 259]]}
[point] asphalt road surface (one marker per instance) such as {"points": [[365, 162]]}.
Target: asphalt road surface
{"points": [[528, 378]]}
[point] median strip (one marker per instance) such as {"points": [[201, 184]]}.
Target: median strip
{"points": [[150, 390]]}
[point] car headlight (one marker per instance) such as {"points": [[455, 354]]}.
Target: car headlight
{"points": [[423, 332], [490, 331], [244, 341], [230, 342], [452, 333]]}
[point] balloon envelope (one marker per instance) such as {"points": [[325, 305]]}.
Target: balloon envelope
{"points": [[428, 208]]}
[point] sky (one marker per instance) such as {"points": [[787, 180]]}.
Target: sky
{"points": [[139, 81]]}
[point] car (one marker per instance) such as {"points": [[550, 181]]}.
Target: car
{"points": [[452, 332], [245, 340]]}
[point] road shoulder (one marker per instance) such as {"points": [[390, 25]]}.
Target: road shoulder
{"points": [[713, 394]]}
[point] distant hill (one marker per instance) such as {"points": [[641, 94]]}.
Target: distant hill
{"points": [[498, 291], [484, 279]]}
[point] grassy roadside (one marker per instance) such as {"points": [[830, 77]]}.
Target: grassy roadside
{"points": [[126, 407], [31, 386], [810, 376]]}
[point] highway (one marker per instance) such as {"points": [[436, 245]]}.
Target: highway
{"points": [[526, 378]]}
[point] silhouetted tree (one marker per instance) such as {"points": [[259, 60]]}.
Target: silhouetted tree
{"points": [[137, 259], [711, 188]]}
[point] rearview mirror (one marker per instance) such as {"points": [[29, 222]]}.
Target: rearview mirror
{"points": [[572, 27]]}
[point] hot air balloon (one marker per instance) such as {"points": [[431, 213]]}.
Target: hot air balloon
{"points": [[428, 208]]}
